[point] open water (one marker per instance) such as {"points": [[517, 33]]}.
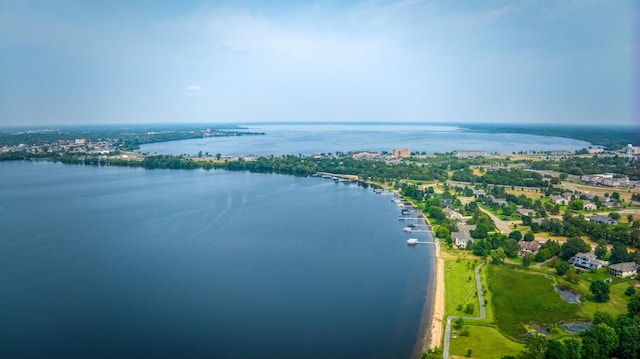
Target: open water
{"points": [[280, 139], [105, 262]]}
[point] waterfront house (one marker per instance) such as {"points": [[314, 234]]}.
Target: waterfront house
{"points": [[623, 270], [451, 214], [586, 261], [460, 239]]}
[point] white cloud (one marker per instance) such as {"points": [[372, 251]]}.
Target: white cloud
{"points": [[193, 89]]}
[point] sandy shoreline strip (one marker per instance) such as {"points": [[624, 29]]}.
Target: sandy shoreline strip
{"points": [[435, 337]]}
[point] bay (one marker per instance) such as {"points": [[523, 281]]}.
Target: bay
{"points": [[107, 262], [306, 139]]}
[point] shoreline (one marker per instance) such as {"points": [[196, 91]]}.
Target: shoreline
{"points": [[430, 330]]}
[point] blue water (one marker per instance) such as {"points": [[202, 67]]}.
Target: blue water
{"points": [[104, 262], [330, 138]]}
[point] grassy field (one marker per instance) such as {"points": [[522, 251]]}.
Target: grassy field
{"points": [[615, 306], [461, 291], [485, 342], [520, 297]]}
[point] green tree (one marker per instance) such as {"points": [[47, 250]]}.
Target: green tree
{"points": [[527, 259], [572, 275], [600, 291], [573, 348], [599, 342], [511, 248], [619, 253], [218, 155], [498, 255], [556, 350], [517, 235], [631, 290], [572, 246], [562, 268], [529, 236], [535, 347], [601, 250]]}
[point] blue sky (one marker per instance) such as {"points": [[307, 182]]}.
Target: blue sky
{"points": [[83, 62]]}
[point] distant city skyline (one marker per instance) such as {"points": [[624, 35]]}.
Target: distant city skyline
{"points": [[85, 62]]}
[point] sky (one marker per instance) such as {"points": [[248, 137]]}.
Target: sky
{"points": [[491, 61]]}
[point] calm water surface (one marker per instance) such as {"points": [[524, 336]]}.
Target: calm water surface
{"points": [[116, 262], [325, 138]]}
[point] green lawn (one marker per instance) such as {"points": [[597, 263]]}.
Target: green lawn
{"points": [[485, 342], [520, 297], [459, 289]]}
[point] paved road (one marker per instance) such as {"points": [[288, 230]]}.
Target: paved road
{"points": [[500, 224], [447, 333]]}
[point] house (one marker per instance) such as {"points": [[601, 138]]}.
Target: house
{"points": [[463, 236], [460, 239], [451, 214], [498, 201], [623, 270], [478, 192], [586, 261], [446, 202], [603, 219], [589, 206], [528, 247], [526, 212], [559, 200], [567, 196]]}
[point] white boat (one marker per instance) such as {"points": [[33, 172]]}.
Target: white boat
{"points": [[407, 229], [412, 241]]}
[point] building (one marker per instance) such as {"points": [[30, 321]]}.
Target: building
{"points": [[451, 214], [468, 154], [589, 206], [401, 152], [460, 239], [602, 219], [559, 153], [623, 270], [586, 261], [498, 201], [528, 247], [526, 212], [559, 200]]}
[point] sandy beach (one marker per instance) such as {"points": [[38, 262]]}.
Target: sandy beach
{"points": [[435, 337]]}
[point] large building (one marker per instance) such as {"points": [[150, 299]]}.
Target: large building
{"points": [[468, 154], [401, 152]]}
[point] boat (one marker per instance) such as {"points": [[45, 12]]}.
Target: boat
{"points": [[412, 241], [407, 229]]}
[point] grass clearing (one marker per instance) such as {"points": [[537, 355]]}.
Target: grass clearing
{"points": [[485, 342], [460, 290], [520, 297]]}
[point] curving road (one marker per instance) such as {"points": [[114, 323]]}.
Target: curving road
{"points": [[447, 333], [500, 224]]}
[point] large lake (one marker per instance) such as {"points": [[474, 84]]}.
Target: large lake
{"points": [[296, 139], [105, 262]]}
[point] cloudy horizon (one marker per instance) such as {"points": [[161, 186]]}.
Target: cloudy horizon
{"points": [[80, 62]]}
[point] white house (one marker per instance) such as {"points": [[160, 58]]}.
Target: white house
{"points": [[586, 261], [589, 206], [623, 270]]}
